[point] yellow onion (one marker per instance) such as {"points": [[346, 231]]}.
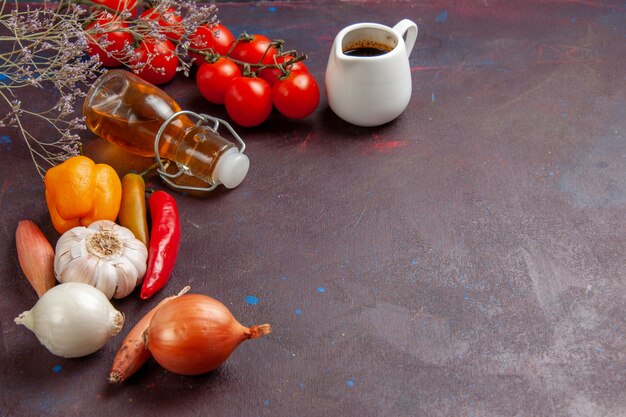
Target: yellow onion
{"points": [[194, 334], [133, 352]]}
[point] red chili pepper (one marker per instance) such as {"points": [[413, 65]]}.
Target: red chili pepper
{"points": [[164, 242]]}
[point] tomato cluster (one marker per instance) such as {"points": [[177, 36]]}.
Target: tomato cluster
{"points": [[118, 41], [250, 75]]}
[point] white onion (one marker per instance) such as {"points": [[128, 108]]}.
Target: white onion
{"points": [[72, 320]]}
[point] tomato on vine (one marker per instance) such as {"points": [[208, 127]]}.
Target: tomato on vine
{"points": [[213, 78], [119, 5], [215, 37], [169, 20], [273, 74], [251, 76], [115, 40], [297, 95], [155, 61], [254, 49], [248, 101]]}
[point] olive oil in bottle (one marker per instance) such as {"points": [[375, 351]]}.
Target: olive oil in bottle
{"points": [[127, 111]]}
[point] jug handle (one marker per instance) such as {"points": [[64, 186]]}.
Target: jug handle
{"points": [[408, 27]]}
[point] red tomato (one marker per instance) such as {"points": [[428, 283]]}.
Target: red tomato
{"points": [[104, 32], [214, 78], [216, 37], [271, 75], [119, 5], [296, 96], [248, 101], [169, 20], [254, 50], [159, 60]]}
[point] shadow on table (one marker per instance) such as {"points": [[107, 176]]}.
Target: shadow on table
{"points": [[160, 388], [332, 123]]}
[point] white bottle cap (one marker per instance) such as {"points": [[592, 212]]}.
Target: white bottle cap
{"points": [[232, 168]]}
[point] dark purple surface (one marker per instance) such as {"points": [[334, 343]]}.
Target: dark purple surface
{"points": [[466, 259]]}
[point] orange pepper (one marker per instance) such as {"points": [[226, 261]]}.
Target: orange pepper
{"points": [[79, 192]]}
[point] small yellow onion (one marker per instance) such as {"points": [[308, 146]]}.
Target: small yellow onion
{"points": [[194, 334], [72, 320], [104, 255]]}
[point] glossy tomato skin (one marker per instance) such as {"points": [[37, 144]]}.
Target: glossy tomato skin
{"points": [[271, 75], [161, 58], [297, 95], [254, 51], [248, 101], [206, 37], [115, 40], [119, 5], [214, 78], [169, 20]]}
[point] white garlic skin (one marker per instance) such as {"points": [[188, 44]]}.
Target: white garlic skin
{"points": [[116, 274], [73, 320]]}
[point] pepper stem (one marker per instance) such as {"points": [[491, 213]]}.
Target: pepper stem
{"points": [[154, 166]]}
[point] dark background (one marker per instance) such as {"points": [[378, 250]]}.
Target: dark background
{"points": [[466, 259]]}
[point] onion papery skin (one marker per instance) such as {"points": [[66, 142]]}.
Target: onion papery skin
{"points": [[72, 320], [194, 334]]}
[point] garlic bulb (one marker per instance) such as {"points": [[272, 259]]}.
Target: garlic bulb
{"points": [[104, 255], [72, 320]]}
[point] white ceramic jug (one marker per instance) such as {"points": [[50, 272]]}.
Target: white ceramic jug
{"points": [[368, 77]]}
